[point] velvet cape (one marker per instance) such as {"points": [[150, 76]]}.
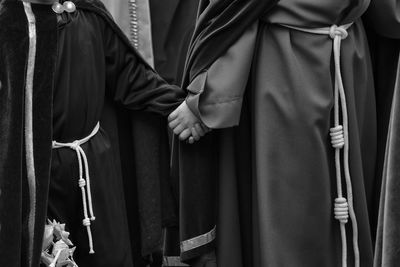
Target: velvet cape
{"points": [[21, 245]]}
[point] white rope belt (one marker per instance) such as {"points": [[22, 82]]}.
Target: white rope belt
{"points": [[83, 166], [340, 140]]}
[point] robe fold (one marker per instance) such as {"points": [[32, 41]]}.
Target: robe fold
{"points": [[262, 193], [59, 76], [383, 20]]}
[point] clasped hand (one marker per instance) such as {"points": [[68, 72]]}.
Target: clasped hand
{"points": [[186, 125]]}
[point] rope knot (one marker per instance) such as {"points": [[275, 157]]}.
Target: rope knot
{"points": [[341, 210], [337, 136], [74, 145], [335, 31], [81, 182], [86, 222]]}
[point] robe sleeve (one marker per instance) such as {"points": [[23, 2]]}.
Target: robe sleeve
{"points": [[384, 17], [132, 83], [216, 95]]}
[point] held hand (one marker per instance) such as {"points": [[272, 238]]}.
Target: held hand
{"points": [[185, 124], [198, 131]]}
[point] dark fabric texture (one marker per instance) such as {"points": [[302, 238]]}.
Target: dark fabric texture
{"points": [[385, 54], [388, 230], [145, 164], [172, 25], [11, 132], [383, 23], [219, 25], [14, 199], [42, 112], [283, 163]]}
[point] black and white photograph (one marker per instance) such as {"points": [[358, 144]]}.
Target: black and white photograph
{"points": [[199, 133]]}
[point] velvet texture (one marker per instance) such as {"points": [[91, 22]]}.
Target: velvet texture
{"points": [[15, 198], [146, 186], [11, 136]]}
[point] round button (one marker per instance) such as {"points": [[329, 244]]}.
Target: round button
{"points": [[58, 8], [69, 6]]}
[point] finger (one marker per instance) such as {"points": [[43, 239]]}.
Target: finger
{"points": [[178, 129], [205, 128], [199, 129], [195, 135], [173, 115], [191, 140], [184, 134], [174, 123]]}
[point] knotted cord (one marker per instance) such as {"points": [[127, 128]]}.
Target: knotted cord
{"points": [[84, 180], [340, 140]]}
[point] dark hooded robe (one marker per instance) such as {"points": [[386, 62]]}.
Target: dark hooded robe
{"points": [[260, 189], [383, 20], [161, 31], [60, 76]]}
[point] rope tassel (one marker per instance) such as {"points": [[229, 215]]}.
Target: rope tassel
{"points": [[84, 184], [340, 140], [343, 209]]}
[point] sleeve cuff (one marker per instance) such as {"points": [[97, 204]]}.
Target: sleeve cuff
{"points": [[215, 115]]}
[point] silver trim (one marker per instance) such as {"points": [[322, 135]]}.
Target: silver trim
{"points": [[30, 163], [173, 261], [198, 241]]}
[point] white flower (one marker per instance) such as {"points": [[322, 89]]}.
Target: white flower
{"points": [[56, 251]]}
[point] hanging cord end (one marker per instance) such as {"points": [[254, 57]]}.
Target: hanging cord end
{"points": [[86, 223]]}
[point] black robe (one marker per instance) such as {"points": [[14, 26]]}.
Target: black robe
{"points": [[172, 25], [79, 79]]}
